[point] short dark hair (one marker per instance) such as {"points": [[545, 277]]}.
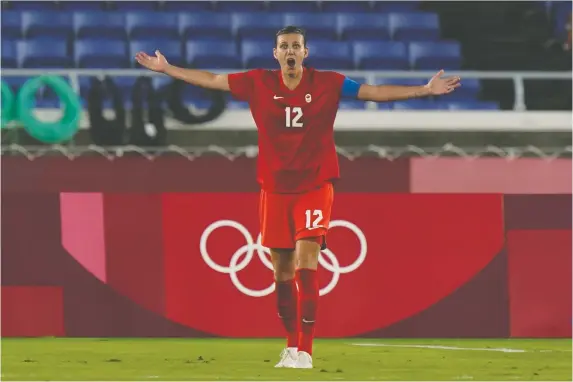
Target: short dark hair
{"points": [[289, 30]]}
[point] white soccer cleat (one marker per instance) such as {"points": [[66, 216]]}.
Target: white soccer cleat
{"points": [[288, 358], [304, 361]]}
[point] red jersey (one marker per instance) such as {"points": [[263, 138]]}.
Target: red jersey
{"points": [[296, 127]]}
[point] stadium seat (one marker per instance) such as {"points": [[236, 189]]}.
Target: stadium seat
{"points": [[388, 55], [363, 26], [212, 55], [417, 104], [329, 55], [351, 104], [152, 24], [384, 105], [146, 6], [395, 6], [205, 26], [9, 54], [345, 6], [435, 55], [72, 6], [47, 24], [414, 26], [401, 81], [43, 53], [99, 53], [11, 25], [171, 49], [318, 26], [161, 82], [33, 5], [15, 82], [256, 25], [188, 6], [473, 105], [99, 25], [469, 91], [254, 55], [240, 6], [293, 6], [125, 86]]}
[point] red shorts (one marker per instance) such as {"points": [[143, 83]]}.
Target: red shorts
{"points": [[286, 218]]}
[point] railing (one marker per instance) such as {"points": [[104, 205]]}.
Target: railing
{"points": [[370, 76], [231, 153]]}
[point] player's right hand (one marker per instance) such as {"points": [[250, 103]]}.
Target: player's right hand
{"points": [[157, 64]]}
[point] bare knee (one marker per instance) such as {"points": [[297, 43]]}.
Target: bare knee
{"points": [[283, 263], [307, 251]]}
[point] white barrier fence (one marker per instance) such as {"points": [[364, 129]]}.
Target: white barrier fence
{"points": [[517, 120]]}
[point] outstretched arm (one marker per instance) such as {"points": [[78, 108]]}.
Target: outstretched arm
{"points": [[195, 77], [381, 93]]}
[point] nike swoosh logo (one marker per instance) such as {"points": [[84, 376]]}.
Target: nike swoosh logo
{"points": [[275, 97], [307, 321]]}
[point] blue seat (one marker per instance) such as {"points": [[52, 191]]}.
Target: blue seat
{"points": [[33, 6], [9, 54], [395, 6], [469, 91], [329, 55], [43, 53], [11, 25], [345, 6], [147, 6], [318, 26], [351, 104], [401, 81], [473, 105], [435, 55], [212, 55], [364, 26], [15, 82], [72, 6], [416, 104], [161, 82], [47, 24], [205, 25], [99, 25], [384, 106], [257, 55], [414, 26], [237, 105], [152, 24], [171, 49], [188, 6], [256, 25], [293, 6], [96, 53], [388, 55], [125, 86], [240, 6]]}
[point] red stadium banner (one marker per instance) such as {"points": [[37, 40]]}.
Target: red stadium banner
{"points": [[390, 257]]}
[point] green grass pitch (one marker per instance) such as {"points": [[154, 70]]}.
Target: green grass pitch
{"points": [[254, 359]]}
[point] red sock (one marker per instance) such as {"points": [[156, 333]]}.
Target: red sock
{"points": [[287, 307], [307, 306]]}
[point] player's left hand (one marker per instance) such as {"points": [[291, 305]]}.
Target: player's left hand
{"points": [[439, 85]]}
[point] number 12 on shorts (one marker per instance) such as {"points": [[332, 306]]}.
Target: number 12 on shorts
{"points": [[317, 215]]}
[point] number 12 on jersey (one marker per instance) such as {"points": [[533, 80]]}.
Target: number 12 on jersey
{"points": [[292, 116]]}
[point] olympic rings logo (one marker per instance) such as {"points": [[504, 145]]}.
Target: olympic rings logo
{"points": [[238, 262]]}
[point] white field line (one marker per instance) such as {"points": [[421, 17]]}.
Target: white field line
{"points": [[504, 350]]}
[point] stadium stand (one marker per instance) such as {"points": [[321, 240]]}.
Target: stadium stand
{"points": [[235, 35]]}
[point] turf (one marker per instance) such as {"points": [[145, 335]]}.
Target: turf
{"points": [[250, 359]]}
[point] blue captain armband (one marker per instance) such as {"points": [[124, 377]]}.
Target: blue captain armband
{"points": [[350, 88]]}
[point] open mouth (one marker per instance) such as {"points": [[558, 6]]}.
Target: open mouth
{"points": [[291, 62]]}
